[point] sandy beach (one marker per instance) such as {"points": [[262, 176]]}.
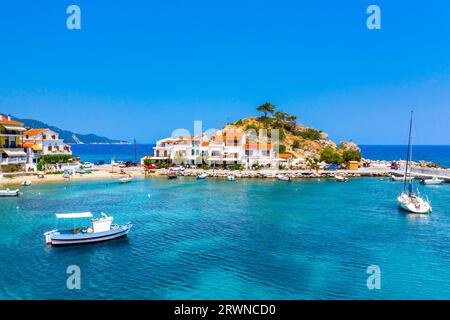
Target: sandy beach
{"points": [[97, 173]]}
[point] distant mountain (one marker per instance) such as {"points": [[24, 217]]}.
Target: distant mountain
{"points": [[68, 136]]}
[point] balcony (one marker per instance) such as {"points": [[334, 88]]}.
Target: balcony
{"points": [[8, 146], [10, 133], [13, 160]]}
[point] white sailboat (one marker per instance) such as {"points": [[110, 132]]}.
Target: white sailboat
{"points": [[408, 200]]}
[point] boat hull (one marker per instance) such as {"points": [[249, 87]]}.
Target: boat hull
{"points": [[67, 239], [431, 182], [421, 207], [11, 193]]}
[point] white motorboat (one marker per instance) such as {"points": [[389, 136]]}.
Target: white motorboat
{"points": [[341, 179], [97, 230], [400, 178], [26, 183], [231, 177], [408, 200], [125, 179], [434, 180], [9, 193], [283, 177]]}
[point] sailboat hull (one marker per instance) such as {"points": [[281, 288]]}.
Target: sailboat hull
{"points": [[414, 205]]}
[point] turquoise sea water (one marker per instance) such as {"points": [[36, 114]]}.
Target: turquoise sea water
{"points": [[215, 239]]}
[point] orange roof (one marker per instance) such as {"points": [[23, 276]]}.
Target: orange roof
{"points": [[5, 120], [33, 132], [285, 155], [260, 146], [205, 143]]}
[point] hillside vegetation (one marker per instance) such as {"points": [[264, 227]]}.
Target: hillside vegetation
{"points": [[299, 140]]}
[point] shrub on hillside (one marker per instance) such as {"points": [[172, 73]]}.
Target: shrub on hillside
{"points": [[330, 155]]}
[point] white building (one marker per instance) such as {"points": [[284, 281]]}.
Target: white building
{"points": [[38, 142], [224, 148]]}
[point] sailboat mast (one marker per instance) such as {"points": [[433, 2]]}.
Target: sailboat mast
{"points": [[408, 157], [135, 151]]}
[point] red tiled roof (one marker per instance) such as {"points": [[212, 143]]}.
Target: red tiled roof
{"points": [[33, 132], [5, 120], [285, 155], [259, 146]]}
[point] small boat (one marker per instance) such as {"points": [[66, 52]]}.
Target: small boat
{"points": [[9, 193], [408, 200], [26, 183], [201, 176], [433, 180], [283, 177], [125, 179], [99, 230], [341, 179], [231, 177], [172, 175], [401, 178]]}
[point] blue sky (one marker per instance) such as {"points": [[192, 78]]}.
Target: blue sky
{"points": [[143, 68]]}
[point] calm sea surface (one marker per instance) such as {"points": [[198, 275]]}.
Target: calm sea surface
{"points": [[215, 239], [438, 154]]}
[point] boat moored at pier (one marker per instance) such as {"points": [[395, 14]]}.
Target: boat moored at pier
{"points": [[432, 181]]}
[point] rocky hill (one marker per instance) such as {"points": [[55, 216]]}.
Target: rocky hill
{"points": [[297, 139]]}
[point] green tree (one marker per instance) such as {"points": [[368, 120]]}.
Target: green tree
{"points": [[266, 108], [351, 155], [280, 115], [291, 118], [296, 144], [330, 155], [310, 134]]}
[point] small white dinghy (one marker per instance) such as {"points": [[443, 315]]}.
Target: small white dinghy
{"points": [[283, 177], [401, 178], [125, 179], [341, 179], [9, 193], [431, 181], [26, 183], [202, 176], [231, 177]]}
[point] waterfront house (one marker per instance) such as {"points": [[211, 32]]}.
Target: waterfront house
{"points": [[12, 156], [223, 148], [46, 141], [38, 142]]}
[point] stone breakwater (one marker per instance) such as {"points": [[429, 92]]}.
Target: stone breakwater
{"points": [[272, 174]]}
